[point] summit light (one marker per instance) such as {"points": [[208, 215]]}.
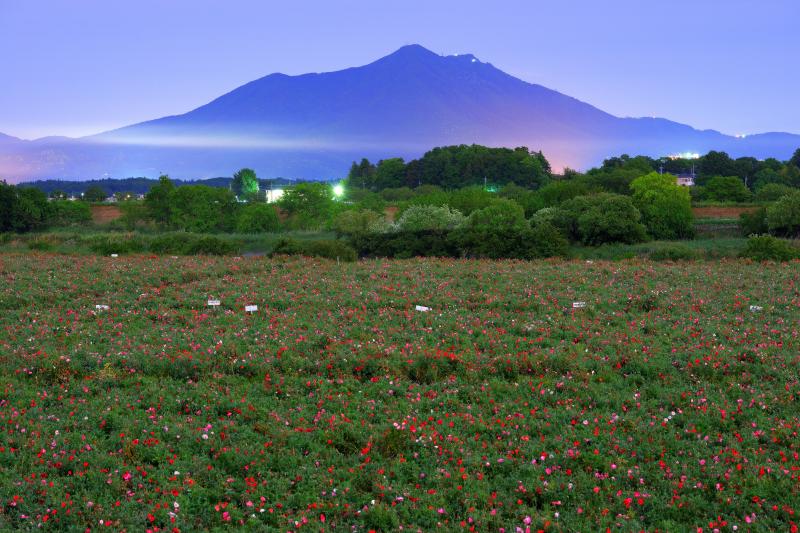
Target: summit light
{"points": [[338, 190]]}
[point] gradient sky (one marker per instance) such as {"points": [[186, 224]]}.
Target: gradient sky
{"points": [[75, 67]]}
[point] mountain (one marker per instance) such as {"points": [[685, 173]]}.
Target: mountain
{"points": [[314, 125]]}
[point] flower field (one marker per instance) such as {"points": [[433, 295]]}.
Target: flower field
{"points": [[670, 401]]}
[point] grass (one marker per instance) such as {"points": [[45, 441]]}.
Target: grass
{"points": [[665, 403]]}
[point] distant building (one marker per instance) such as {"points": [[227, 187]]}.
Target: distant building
{"points": [[685, 180]]}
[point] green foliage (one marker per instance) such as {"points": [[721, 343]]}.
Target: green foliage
{"points": [[783, 217], [134, 214], [365, 199], [209, 245], [497, 231], [405, 244], [308, 205], [202, 209], [673, 252], [768, 248], [454, 167], [398, 194], [530, 200], [472, 198], [772, 192], [245, 184], [67, 213], [357, 222], [666, 207], [95, 193], [727, 189], [23, 209], [257, 218], [429, 218], [124, 243], [609, 218], [754, 223], [158, 201], [558, 192], [315, 248]]}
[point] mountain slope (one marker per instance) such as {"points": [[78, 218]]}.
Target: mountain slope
{"points": [[314, 125]]}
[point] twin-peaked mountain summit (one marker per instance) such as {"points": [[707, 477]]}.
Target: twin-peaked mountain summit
{"points": [[314, 125]]}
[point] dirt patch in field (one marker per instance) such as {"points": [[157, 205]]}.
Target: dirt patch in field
{"points": [[102, 214], [390, 213], [721, 212]]}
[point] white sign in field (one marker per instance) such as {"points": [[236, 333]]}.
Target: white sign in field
{"points": [[578, 305], [250, 308], [423, 308], [756, 308], [213, 303], [101, 307]]}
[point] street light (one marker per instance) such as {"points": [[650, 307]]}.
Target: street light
{"points": [[338, 190]]}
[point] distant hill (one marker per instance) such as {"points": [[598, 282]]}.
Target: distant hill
{"points": [[133, 185], [313, 125]]}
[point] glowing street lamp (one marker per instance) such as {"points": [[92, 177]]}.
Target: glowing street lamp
{"points": [[338, 190]]}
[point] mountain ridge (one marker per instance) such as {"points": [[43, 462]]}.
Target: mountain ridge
{"points": [[314, 125]]}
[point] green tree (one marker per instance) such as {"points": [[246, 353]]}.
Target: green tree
{"points": [[727, 189], [67, 213], [715, 164], [258, 218], [95, 193], [158, 201], [390, 173], [773, 191], [202, 209], [472, 198], [309, 205], [245, 184], [666, 207], [795, 159], [783, 217], [23, 209], [610, 218]]}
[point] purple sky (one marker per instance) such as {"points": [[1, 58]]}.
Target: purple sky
{"points": [[75, 67]]}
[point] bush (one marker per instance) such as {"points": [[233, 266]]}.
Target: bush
{"points": [[547, 241], [773, 191], [210, 245], [429, 218], [116, 244], [598, 219], [754, 223], [258, 218], [406, 244], [783, 217], [610, 218], [727, 189], [768, 248], [501, 231], [665, 206], [354, 222], [181, 243], [673, 252], [67, 213], [315, 248]]}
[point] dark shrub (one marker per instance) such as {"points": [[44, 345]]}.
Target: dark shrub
{"points": [[116, 244], [767, 248], [315, 248], [754, 223], [673, 252], [210, 245]]}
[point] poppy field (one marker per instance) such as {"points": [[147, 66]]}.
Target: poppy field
{"points": [[667, 400]]}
